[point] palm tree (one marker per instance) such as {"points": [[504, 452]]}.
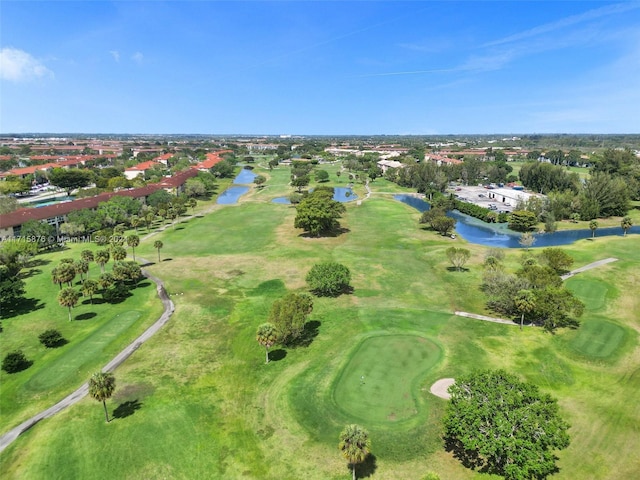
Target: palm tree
{"points": [[525, 303], [158, 245], [66, 272], [593, 225], [135, 222], [68, 297], [133, 241], [102, 257], [191, 203], [81, 267], [101, 387], [87, 256], [149, 219], [89, 287], [626, 224], [267, 336], [55, 277], [355, 445], [118, 253]]}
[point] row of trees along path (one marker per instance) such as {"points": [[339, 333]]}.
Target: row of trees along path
{"points": [[564, 277], [80, 393]]}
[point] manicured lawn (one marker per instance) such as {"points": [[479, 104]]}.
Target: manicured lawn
{"points": [[380, 382], [197, 400]]}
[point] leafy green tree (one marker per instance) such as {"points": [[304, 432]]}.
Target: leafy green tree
{"points": [[443, 224], [8, 204], [102, 258], [158, 245], [593, 226], [300, 182], [267, 336], [133, 241], [322, 176], [504, 426], [458, 256], [194, 187], [289, 315], [626, 223], [51, 338], [525, 303], [355, 445], [328, 279], [259, 180], [15, 362], [101, 387], [556, 258], [522, 220], [318, 213], [12, 288], [68, 297], [89, 288], [70, 179], [223, 169]]}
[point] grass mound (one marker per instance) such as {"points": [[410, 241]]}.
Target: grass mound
{"points": [[593, 293], [598, 339]]}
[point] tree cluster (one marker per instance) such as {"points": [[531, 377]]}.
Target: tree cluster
{"points": [[318, 213], [535, 291]]}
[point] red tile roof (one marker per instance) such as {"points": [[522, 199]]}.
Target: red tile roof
{"points": [[142, 167], [23, 215], [212, 159]]}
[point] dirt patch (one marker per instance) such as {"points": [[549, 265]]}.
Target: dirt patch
{"points": [[439, 389]]}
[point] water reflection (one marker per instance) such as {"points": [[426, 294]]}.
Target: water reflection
{"points": [[498, 235]]}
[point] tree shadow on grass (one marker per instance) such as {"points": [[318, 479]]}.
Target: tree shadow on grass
{"points": [[367, 468], [21, 307], [277, 355], [86, 316], [469, 458], [336, 232], [456, 269], [30, 273], [309, 332], [143, 284], [96, 301], [126, 409]]}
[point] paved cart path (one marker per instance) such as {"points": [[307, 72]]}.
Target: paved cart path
{"points": [[80, 393]]}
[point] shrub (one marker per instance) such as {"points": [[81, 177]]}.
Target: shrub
{"points": [[15, 362], [51, 338], [328, 279]]}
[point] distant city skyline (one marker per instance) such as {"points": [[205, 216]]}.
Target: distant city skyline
{"points": [[320, 68]]}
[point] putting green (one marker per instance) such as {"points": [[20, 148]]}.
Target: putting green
{"points": [[598, 338], [381, 380]]}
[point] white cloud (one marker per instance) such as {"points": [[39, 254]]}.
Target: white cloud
{"points": [[137, 57], [115, 54], [17, 65]]}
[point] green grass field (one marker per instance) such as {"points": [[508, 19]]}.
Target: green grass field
{"points": [[197, 400]]}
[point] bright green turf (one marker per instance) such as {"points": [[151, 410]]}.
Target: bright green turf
{"points": [[598, 338], [593, 293], [379, 383]]}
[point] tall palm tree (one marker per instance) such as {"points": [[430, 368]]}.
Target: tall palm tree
{"points": [[158, 245], [102, 257], [87, 256], [101, 387], [149, 219], [68, 297], [626, 224], [355, 445], [133, 241], [593, 225], [525, 303], [118, 253], [89, 287], [267, 336], [66, 272], [81, 267], [55, 277]]}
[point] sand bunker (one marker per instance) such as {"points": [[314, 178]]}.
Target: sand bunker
{"points": [[439, 389]]}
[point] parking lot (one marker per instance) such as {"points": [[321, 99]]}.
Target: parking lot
{"points": [[480, 196]]}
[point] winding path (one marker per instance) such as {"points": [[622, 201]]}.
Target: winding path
{"points": [[80, 393]]}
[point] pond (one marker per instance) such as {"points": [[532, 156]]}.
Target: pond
{"points": [[497, 235], [245, 176], [231, 195], [340, 194]]}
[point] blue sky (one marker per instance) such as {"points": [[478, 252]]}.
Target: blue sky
{"points": [[323, 68]]}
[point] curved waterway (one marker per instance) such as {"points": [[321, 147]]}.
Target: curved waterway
{"points": [[340, 194], [497, 235], [234, 192]]}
